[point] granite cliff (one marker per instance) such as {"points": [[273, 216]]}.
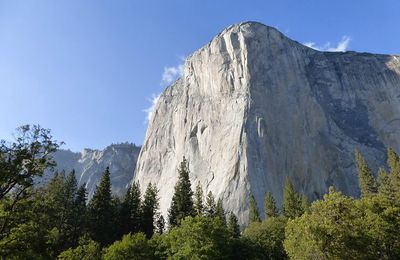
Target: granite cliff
{"points": [[254, 106]]}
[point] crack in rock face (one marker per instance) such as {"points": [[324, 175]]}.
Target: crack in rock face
{"points": [[254, 106]]}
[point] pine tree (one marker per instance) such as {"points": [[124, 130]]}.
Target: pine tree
{"points": [[394, 177], [220, 212], [182, 200], [233, 226], [210, 207], [254, 216], [80, 214], [270, 209], [393, 161], [305, 204], [291, 201], [69, 193], [130, 211], [160, 224], [101, 222], [367, 182], [198, 200], [149, 210]]}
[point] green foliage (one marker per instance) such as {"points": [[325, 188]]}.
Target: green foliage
{"points": [[292, 201], [270, 209], [131, 210], [198, 238], [131, 247], [25, 159], [268, 237], [100, 210], [160, 224], [331, 230], [233, 226], [198, 201], [149, 209], [182, 200], [367, 182], [210, 207], [254, 216], [87, 250], [220, 212]]}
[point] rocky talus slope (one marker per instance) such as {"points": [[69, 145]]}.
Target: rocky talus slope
{"points": [[254, 106]]}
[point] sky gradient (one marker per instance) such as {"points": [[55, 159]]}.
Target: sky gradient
{"points": [[90, 69]]}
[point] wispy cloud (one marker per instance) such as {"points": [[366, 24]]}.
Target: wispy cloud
{"points": [[172, 73], [169, 75], [150, 110], [341, 46]]}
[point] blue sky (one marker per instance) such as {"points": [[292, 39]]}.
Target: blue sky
{"points": [[89, 69]]}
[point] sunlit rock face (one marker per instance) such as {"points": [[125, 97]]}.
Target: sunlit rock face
{"points": [[254, 106], [90, 164]]}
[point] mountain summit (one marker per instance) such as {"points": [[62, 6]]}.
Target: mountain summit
{"points": [[254, 107]]}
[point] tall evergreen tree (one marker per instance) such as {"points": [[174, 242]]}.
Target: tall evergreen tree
{"points": [[182, 200], [160, 224], [210, 207], [270, 209], [198, 200], [292, 207], [367, 182], [101, 216], [80, 214], [393, 181], [149, 210], [130, 211], [233, 226], [220, 212], [69, 193], [254, 216]]}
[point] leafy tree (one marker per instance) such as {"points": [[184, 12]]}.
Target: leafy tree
{"points": [[25, 159], [210, 207], [87, 250], [268, 237], [198, 200], [22, 162], [233, 226], [198, 238], [331, 230], [292, 204], [100, 209], [270, 209], [182, 200], [254, 216], [149, 209], [367, 182], [131, 247]]}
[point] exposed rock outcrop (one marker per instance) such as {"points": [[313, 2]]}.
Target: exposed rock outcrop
{"points": [[90, 164], [253, 107]]}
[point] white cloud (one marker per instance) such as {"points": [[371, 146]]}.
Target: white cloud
{"points": [[342, 45], [150, 110], [171, 74]]}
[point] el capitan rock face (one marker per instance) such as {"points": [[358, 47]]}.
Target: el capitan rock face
{"points": [[253, 107]]}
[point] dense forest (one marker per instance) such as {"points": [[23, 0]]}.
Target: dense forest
{"points": [[56, 221]]}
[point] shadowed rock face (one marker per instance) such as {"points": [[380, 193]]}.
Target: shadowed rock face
{"points": [[90, 164], [254, 107]]}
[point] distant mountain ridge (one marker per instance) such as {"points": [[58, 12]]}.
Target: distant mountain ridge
{"points": [[89, 165]]}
